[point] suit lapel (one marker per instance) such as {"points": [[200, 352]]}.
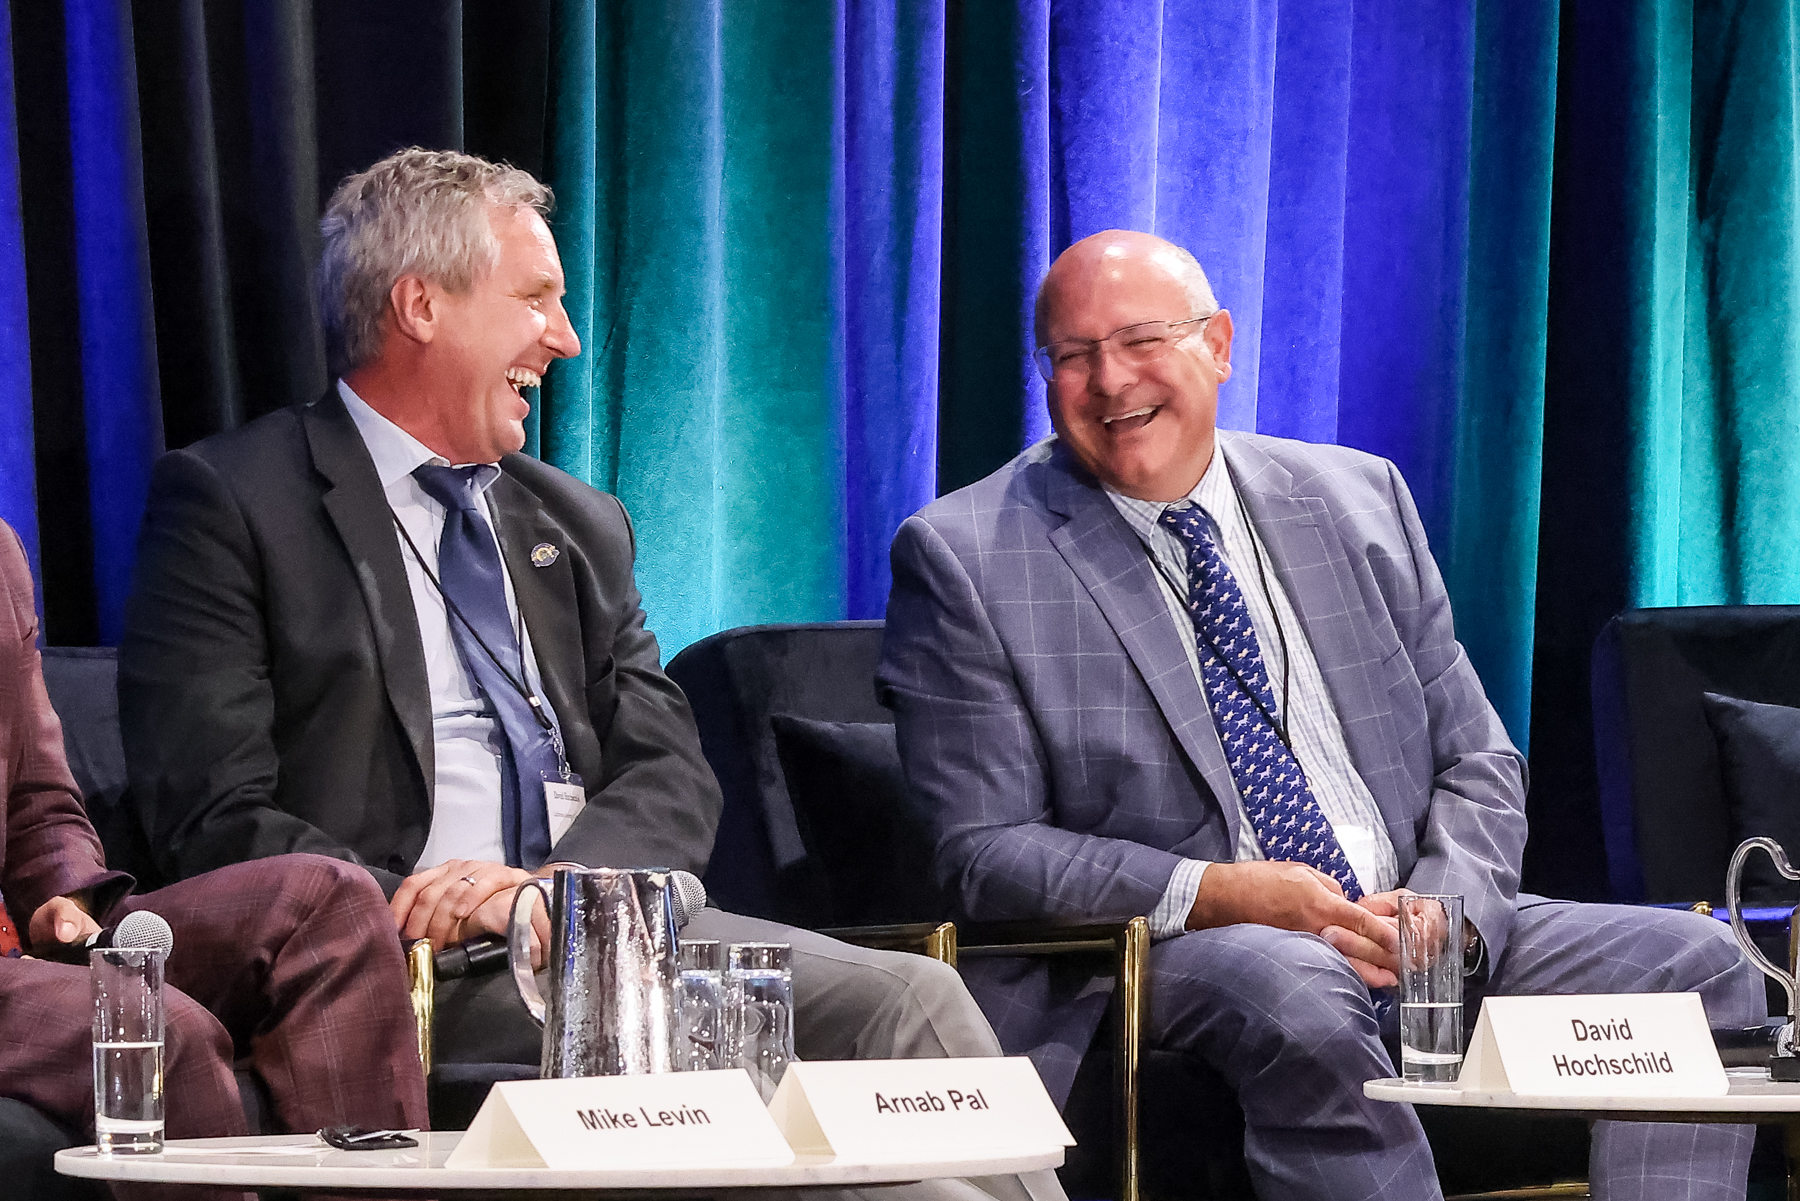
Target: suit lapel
{"points": [[359, 509], [1309, 558], [546, 593], [1108, 559]]}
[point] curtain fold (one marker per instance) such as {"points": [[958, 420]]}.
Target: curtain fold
{"points": [[710, 398], [750, 212], [18, 479], [1490, 557], [891, 260], [118, 343], [1672, 425]]}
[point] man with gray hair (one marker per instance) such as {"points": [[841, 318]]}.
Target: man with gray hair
{"points": [[370, 627]]}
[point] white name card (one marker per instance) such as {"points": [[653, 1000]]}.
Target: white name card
{"points": [[1635, 1044], [712, 1119], [870, 1110]]}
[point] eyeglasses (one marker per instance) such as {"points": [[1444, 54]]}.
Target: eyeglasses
{"points": [[1135, 345]]}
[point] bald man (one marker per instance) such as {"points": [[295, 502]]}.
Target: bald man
{"points": [[1154, 667]]}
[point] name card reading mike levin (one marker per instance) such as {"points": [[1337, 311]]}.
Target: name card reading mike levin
{"points": [[1633, 1044], [686, 1119], [879, 1109]]}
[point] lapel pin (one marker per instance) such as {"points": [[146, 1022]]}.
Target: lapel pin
{"points": [[543, 554]]}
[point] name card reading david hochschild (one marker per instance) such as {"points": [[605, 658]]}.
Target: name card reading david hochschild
{"points": [[682, 1119], [883, 1109], [1634, 1044]]}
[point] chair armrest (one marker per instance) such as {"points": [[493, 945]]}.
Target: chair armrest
{"points": [[934, 940], [1127, 942], [990, 940]]}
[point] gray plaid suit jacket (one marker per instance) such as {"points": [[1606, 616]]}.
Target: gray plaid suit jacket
{"points": [[1049, 718]]}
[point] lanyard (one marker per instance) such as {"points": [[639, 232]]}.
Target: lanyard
{"points": [[518, 683], [1183, 590]]}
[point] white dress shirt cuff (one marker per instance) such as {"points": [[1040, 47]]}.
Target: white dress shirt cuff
{"points": [[1170, 916]]}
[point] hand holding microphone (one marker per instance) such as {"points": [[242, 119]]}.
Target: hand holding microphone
{"points": [[137, 930], [479, 956]]}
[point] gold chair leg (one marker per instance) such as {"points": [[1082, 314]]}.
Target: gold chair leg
{"points": [[419, 971], [940, 944], [1133, 945]]}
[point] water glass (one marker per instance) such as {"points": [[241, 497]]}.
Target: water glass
{"points": [[704, 1043], [1431, 988], [760, 992], [128, 1050]]}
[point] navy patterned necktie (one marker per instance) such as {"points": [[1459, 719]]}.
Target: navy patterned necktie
{"points": [[470, 573], [1286, 818]]}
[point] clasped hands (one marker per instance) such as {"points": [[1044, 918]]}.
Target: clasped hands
{"points": [[463, 899], [1293, 896]]}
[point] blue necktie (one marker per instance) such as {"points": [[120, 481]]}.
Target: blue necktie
{"points": [[1286, 818], [474, 583]]}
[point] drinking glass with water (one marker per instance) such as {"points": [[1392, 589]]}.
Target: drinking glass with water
{"points": [[128, 1049], [1431, 988], [704, 1042], [760, 984]]}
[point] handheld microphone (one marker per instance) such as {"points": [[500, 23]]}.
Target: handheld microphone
{"points": [[479, 956], [140, 930], [690, 896]]}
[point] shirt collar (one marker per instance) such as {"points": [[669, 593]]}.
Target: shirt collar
{"points": [[1213, 494], [395, 451]]}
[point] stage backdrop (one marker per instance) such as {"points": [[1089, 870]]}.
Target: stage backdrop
{"points": [[802, 237]]}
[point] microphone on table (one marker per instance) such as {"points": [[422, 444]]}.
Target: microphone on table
{"points": [[479, 956], [138, 931]]}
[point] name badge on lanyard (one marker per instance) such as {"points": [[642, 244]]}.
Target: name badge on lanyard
{"points": [[564, 799]]}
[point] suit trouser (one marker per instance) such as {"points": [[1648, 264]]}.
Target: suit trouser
{"points": [[849, 1003], [290, 962], [1283, 1018]]}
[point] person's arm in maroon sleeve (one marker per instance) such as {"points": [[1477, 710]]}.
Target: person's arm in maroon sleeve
{"points": [[50, 848]]}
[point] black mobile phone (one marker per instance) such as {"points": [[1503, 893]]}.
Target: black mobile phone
{"points": [[367, 1138]]}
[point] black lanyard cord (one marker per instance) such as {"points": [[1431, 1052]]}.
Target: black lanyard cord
{"points": [[1262, 575], [1277, 720], [530, 698]]}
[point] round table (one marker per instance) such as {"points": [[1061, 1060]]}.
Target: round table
{"points": [[1753, 1099], [303, 1162]]}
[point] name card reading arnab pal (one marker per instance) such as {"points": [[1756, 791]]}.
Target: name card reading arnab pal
{"points": [[685, 1119], [1634, 1044], [868, 1110]]}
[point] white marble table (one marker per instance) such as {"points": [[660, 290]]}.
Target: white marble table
{"points": [[301, 1161], [1753, 1099]]}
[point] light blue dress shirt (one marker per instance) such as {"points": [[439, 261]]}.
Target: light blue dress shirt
{"points": [[1312, 721], [466, 734]]}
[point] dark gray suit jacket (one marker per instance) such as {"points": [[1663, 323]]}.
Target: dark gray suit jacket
{"points": [[1049, 717], [272, 682]]}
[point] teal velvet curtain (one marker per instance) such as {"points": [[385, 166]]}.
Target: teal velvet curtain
{"points": [[697, 156], [1491, 558], [1715, 397], [1672, 412]]}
